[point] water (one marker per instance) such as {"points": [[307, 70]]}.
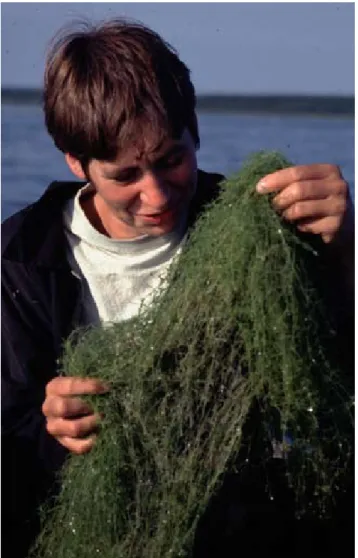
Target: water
{"points": [[30, 161]]}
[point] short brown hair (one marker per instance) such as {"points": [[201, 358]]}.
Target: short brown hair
{"points": [[113, 86]]}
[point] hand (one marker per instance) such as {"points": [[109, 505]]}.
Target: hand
{"points": [[314, 196], [69, 419]]}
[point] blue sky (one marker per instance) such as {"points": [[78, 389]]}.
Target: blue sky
{"points": [[230, 47]]}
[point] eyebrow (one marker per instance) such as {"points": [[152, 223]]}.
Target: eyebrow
{"points": [[115, 171]]}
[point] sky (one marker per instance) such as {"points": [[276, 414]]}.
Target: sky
{"points": [[303, 48]]}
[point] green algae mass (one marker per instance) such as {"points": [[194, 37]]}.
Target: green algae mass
{"points": [[240, 320]]}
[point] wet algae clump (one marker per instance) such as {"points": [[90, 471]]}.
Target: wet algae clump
{"points": [[239, 320]]}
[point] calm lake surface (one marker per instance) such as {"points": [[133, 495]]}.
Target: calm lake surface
{"points": [[30, 161]]}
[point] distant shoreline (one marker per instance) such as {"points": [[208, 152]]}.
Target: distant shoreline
{"points": [[275, 104]]}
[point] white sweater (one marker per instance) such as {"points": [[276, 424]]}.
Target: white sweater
{"points": [[117, 276]]}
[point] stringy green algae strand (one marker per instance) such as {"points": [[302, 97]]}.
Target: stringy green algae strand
{"points": [[238, 321]]}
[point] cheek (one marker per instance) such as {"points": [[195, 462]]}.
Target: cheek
{"points": [[120, 198], [193, 168], [186, 174]]}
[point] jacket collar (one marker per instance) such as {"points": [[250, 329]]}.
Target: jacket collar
{"points": [[36, 234]]}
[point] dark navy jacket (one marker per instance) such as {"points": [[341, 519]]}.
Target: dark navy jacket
{"points": [[39, 294], [39, 300]]}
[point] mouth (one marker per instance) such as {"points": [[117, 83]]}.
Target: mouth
{"points": [[159, 218]]}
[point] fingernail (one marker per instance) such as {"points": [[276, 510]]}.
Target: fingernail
{"points": [[261, 186], [105, 388]]}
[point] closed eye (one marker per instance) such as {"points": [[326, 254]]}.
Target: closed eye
{"points": [[172, 161], [128, 175]]}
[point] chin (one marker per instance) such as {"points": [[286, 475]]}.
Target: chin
{"points": [[157, 229], [160, 230]]}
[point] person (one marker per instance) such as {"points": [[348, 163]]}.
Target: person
{"points": [[120, 104]]}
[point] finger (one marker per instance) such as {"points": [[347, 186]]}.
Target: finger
{"points": [[280, 179], [308, 190], [315, 209], [78, 447], [75, 386], [327, 227], [65, 407], [75, 428]]}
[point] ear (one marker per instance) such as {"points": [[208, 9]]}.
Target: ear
{"points": [[75, 166]]}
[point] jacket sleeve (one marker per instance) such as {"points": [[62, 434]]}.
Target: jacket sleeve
{"points": [[30, 456]]}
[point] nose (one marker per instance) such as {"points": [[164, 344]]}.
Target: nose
{"points": [[155, 192]]}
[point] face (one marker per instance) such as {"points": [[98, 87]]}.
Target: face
{"points": [[146, 196]]}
